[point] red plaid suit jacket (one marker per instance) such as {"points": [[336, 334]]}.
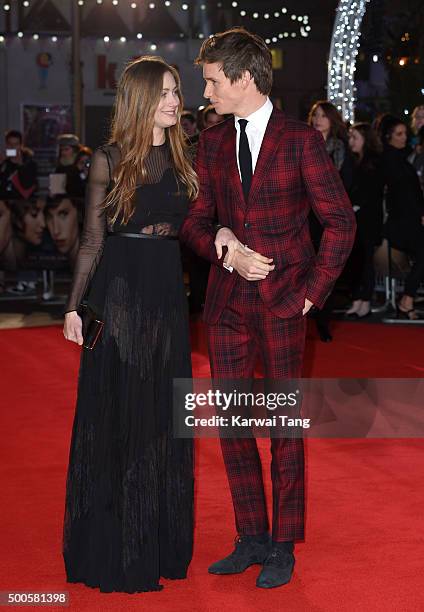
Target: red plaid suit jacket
{"points": [[293, 173]]}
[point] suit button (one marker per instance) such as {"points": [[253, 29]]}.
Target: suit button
{"points": [[247, 225]]}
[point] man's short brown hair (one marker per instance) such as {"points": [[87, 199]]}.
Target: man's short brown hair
{"points": [[239, 50]]}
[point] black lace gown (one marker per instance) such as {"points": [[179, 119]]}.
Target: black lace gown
{"points": [[129, 496]]}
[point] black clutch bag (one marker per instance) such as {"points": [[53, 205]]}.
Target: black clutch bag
{"points": [[92, 327]]}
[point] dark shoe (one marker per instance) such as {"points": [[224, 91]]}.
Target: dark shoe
{"points": [[324, 333], [411, 314], [277, 569], [249, 550], [22, 288]]}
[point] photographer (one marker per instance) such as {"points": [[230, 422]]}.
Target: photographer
{"points": [[18, 170], [77, 174]]}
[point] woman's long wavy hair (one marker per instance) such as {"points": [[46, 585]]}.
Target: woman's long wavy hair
{"points": [[137, 98], [337, 127]]}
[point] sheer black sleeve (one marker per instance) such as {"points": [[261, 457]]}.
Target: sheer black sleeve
{"points": [[94, 230]]}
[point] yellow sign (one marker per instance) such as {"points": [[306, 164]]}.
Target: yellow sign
{"points": [[277, 59]]}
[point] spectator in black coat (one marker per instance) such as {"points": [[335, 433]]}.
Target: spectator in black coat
{"points": [[366, 194], [405, 206]]}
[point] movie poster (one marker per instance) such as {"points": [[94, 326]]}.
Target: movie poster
{"points": [[40, 233]]}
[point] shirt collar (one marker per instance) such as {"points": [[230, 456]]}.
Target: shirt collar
{"points": [[259, 119]]}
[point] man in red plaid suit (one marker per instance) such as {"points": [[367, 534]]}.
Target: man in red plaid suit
{"points": [[260, 173]]}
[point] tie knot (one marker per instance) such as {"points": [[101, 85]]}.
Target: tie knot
{"points": [[243, 123]]}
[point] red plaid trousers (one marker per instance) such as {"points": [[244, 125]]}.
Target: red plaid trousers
{"points": [[246, 329]]}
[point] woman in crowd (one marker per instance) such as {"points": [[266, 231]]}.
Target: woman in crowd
{"points": [[325, 118], [62, 219], [417, 122], [129, 499], [416, 158], [366, 194], [405, 206]]}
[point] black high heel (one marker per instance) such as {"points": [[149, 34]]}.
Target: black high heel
{"points": [[406, 315]]}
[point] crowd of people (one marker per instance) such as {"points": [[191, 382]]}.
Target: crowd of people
{"points": [[381, 166]]}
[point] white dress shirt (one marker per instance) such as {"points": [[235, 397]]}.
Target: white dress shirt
{"points": [[255, 131]]}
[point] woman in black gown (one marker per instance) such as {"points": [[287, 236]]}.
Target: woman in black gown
{"points": [[129, 495], [366, 194]]}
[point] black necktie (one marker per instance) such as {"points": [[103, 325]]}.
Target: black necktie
{"points": [[245, 159]]}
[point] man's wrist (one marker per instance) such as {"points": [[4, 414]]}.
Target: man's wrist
{"points": [[217, 227]]}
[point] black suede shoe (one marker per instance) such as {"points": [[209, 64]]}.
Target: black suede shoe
{"points": [[277, 569], [324, 332], [249, 550]]}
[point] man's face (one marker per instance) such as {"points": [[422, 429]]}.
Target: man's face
{"points": [[62, 222], [225, 96]]}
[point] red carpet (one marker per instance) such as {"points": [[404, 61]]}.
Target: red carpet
{"points": [[365, 539]]}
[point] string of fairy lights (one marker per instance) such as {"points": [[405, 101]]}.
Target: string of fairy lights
{"points": [[344, 49], [283, 24]]}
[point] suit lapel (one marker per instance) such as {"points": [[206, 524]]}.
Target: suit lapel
{"points": [[272, 137], [230, 161]]}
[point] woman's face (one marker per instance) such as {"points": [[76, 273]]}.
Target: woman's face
{"points": [[419, 119], [5, 226], [321, 122], [62, 223], [167, 111], [356, 141], [34, 223], [398, 137]]}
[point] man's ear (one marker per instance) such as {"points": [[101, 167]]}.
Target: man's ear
{"points": [[246, 77]]}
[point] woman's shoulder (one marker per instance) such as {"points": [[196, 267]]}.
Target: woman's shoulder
{"points": [[106, 155], [110, 150]]}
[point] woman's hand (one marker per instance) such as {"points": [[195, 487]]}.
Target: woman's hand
{"points": [[72, 329]]}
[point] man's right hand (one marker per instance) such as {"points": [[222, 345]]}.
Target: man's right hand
{"points": [[72, 329], [251, 265]]}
